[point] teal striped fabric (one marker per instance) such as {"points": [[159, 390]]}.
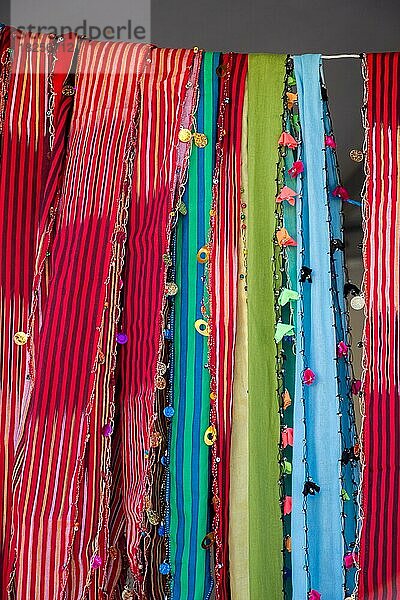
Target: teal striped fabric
{"points": [[189, 454]]}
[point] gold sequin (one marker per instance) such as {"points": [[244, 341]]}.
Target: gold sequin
{"points": [[208, 541], [155, 439], [203, 254], [20, 338], [68, 90], [210, 436], [161, 368], [288, 543], [167, 260], [221, 70], [356, 155], [185, 135], [171, 288], [202, 327], [152, 516], [200, 139], [160, 382]]}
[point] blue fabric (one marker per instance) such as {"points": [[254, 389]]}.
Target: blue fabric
{"points": [[316, 320], [350, 472]]}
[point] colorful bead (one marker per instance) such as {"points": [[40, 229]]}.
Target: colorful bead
{"points": [[107, 430], [164, 568], [169, 412], [122, 338], [96, 561]]}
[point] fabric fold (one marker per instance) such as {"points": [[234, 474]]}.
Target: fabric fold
{"points": [[265, 88], [317, 449]]}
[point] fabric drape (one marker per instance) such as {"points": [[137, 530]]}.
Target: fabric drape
{"points": [[316, 451], [265, 84]]}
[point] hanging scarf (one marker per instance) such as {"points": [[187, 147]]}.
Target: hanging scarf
{"points": [[189, 452], [317, 451], [63, 440], [27, 119], [159, 171], [266, 81], [239, 546], [379, 555], [223, 296], [345, 374]]}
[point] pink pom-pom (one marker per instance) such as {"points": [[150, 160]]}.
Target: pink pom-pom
{"points": [[296, 168], [342, 349], [330, 142], [308, 377], [341, 192]]}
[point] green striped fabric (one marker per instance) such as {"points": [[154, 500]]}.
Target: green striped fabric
{"points": [[189, 454]]}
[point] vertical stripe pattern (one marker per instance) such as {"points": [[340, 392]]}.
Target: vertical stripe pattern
{"points": [[223, 296], [60, 521], [379, 557], [189, 453]]}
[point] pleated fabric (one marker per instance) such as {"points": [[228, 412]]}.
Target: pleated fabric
{"points": [[28, 105], [379, 554], [223, 297], [316, 519], [239, 545], [60, 521], [265, 88], [189, 460]]}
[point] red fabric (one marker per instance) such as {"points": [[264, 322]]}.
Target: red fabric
{"points": [[156, 182], [223, 297], [61, 501], [379, 578], [25, 163]]}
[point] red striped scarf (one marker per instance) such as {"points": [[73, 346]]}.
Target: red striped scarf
{"points": [[379, 556], [159, 170], [223, 297], [62, 469], [28, 106]]}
